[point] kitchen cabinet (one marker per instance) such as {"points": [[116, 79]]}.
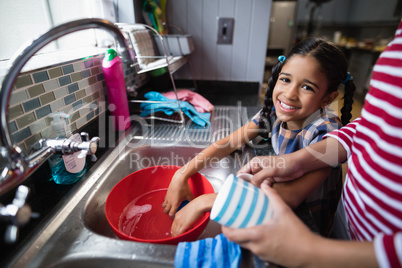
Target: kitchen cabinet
{"points": [[361, 11], [349, 11]]}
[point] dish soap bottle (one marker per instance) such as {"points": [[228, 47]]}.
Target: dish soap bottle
{"points": [[116, 90], [66, 169]]}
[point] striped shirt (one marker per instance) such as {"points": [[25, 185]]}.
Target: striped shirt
{"points": [[372, 193]]}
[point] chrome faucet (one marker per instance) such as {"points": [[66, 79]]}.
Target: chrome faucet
{"points": [[18, 165]]}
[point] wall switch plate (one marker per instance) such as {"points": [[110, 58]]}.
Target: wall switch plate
{"points": [[225, 30]]}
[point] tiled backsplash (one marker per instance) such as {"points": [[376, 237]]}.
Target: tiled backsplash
{"points": [[76, 88]]}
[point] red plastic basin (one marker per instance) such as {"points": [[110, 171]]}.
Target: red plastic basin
{"points": [[134, 206]]}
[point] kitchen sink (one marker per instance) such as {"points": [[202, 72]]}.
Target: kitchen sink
{"points": [[78, 234]]}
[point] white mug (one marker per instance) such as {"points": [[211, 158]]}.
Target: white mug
{"points": [[240, 204]]}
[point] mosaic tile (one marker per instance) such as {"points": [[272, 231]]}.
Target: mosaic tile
{"points": [[15, 111], [25, 120], [12, 127], [83, 83], [76, 77], [89, 63], [95, 95], [100, 77], [56, 105], [90, 115], [85, 73], [40, 76], [36, 90], [68, 69], [75, 116], [77, 105], [47, 98], [55, 72], [31, 105], [21, 135], [92, 80], [60, 93], [51, 85], [18, 97], [23, 81], [78, 66], [72, 88], [80, 94], [43, 111], [65, 80], [86, 100], [69, 99], [81, 122], [94, 70]]}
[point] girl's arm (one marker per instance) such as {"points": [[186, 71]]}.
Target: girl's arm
{"points": [[296, 191], [188, 215], [179, 190]]}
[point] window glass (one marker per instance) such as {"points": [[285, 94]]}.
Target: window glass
{"points": [[24, 20]]}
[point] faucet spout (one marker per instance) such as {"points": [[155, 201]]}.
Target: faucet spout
{"points": [[18, 62]]}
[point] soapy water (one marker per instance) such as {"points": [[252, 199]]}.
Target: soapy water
{"points": [[144, 218]]}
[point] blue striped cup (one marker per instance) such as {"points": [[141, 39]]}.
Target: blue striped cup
{"points": [[240, 204]]}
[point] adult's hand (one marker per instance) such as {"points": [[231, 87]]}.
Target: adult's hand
{"points": [[272, 169], [284, 239]]}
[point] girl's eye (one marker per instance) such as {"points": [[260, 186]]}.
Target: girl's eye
{"points": [[284, 79], [306, 87]]}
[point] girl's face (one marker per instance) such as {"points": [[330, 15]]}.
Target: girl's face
{"points": [[300, 91]]}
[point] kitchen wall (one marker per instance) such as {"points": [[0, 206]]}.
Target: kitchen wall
{"points": [[244, 60], [76, 87]]}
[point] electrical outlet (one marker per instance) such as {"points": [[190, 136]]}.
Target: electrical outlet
{"points": [[225, 30]]}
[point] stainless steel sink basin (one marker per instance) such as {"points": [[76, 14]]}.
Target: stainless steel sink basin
{"points": [[79, 234]]}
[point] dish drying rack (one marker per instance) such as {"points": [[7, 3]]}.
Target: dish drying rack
{"points": [[152, 52]]}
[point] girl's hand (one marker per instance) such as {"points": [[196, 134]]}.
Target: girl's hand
{"points": [[178, 191], [278, 240], [272, 169], [189, 214]]}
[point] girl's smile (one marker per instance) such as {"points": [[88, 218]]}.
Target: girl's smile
{"points": [[287, 107], [300, 91]]}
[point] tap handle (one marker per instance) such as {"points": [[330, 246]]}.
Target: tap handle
{"points": [[17, 213], [89, 147], [84, 136], [21, 196]]}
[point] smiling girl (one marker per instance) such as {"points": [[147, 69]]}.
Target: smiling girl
{"points": [[295, 113]]}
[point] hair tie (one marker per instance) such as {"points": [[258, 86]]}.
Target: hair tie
{"points": [[282, 58], [348, 77]]}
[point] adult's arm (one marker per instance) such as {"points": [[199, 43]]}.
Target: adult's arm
{"points": [[320, 155]]}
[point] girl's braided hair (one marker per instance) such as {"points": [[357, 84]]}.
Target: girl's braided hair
{"points": [[333, 64]]}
